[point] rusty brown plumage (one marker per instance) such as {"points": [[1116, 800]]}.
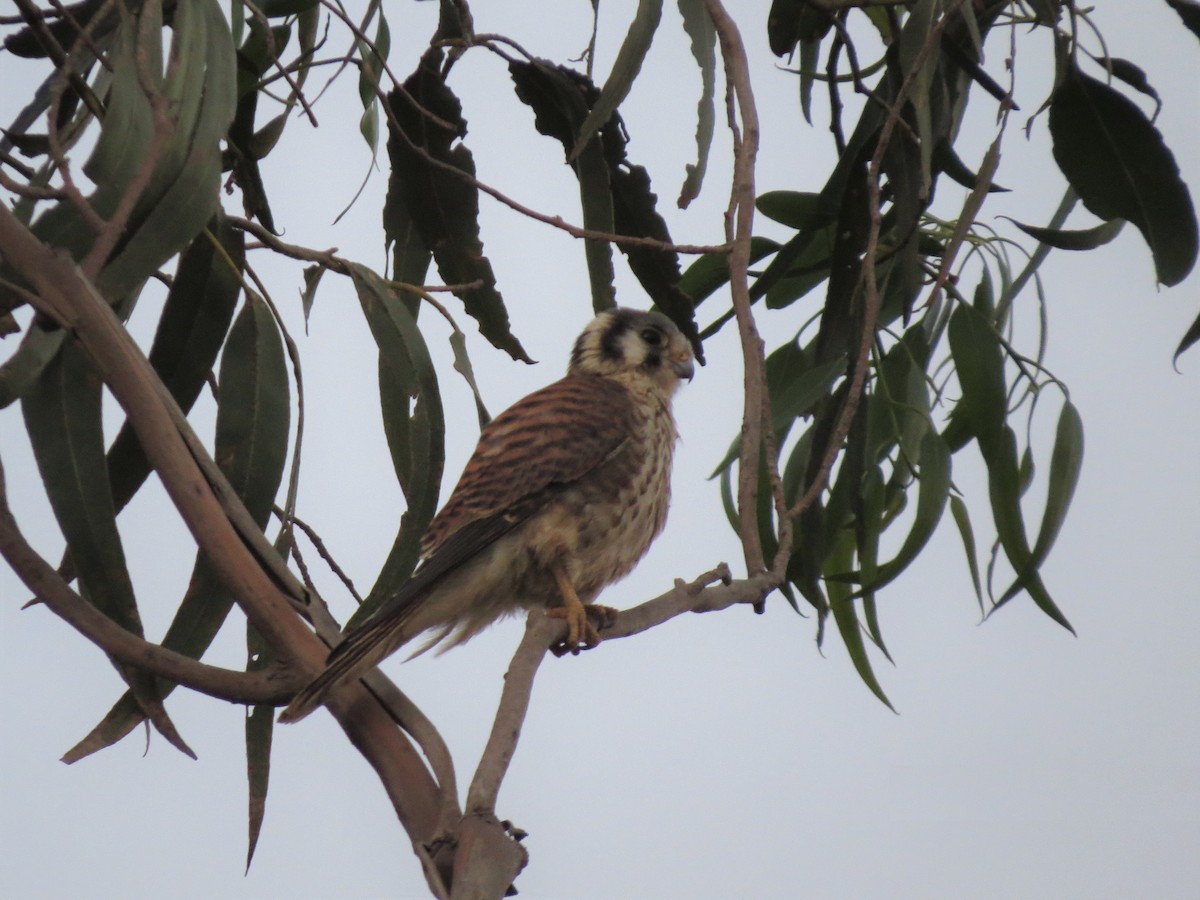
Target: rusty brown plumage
{"points": [[562, 496]]}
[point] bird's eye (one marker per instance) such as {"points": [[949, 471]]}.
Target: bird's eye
{"points": [[652, 337]]}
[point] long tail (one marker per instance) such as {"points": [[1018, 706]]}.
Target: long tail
{"points": [[360, 652]]}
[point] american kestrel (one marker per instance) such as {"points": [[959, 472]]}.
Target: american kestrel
{"points": [[565, 492]]}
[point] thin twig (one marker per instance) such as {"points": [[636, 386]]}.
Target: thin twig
{"points": [[322, 550], [870, 284]]}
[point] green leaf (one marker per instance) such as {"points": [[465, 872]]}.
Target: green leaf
{"points": [[625, 69], [794, 389], [699, 27], [462, 365], [413, 420], [1083, 239], [260, 729], [1005, 493], [184, 191], [1066, 461], [251, 448], [22, 369], [978, 360], [62, 416], [1116, 160], [934, 489], [369, 75], [254, 413], [194, 322], [962, 520], [1134, 76], [795, 209], [710, 272], [842, 606]]}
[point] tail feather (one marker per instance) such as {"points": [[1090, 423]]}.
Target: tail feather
{"points": [[360, 652]]}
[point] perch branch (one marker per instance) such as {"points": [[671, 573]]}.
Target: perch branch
{"points": [[540, 633]]}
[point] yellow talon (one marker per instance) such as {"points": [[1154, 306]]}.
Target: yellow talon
{"points": [[580, 630]]}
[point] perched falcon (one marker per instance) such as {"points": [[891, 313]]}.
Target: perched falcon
{"points": [[563, 495]]}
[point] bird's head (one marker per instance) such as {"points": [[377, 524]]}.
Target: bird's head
{"points": [[634, 346]]}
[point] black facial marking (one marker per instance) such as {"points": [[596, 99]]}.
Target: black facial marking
{"points": [[610, 341]]}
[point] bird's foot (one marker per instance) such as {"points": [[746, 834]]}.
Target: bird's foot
{"points": [[601, 616], [581, 634], [583, 626]]}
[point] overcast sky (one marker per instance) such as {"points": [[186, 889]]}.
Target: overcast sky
{"points": [[718, 756]]}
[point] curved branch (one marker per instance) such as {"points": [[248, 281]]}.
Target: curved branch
{"points": [[266, 686], [208, 506], [739, 226]]}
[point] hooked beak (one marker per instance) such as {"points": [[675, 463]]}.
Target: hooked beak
{"points": [[683, 366]]}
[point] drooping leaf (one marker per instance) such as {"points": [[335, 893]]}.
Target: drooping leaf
{"points": [[19, 371], [846, 618], [413, 420], [1081, 239], [1118, 163], [625, 69], [259, 731], [962, 521], [194, 322], [933, 491], [1005, 495], [185, 190], [979, 363], [433, 177], [369, 75], [1066, 461], [462, 365], [251, 448], [1189, 338], [62, 417], [699, 27], [559, 99]]}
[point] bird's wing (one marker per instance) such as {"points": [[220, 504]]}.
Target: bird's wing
{"points": [[525, 457], [551, 438]]}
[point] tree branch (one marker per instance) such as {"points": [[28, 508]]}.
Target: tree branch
{"points": [[69, 299], [739, 227], [267, 686]]}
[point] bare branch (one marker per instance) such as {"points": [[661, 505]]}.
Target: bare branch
{"points": [[540, 632], [739, 227]]}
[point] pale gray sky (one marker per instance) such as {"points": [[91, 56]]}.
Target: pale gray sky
{"points": [[718, 756]]}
